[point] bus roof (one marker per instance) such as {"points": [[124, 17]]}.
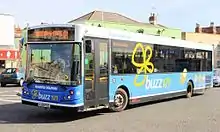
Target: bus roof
{"points": [[109, 33], [144, 38], [50, 25]]}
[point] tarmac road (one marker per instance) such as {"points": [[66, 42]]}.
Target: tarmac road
{"points": [[198, 114]]}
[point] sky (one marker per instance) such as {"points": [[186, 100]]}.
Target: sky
{"points": [[182, 14]]}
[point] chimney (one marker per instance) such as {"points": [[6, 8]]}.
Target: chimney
{"points": [[198, 29], [17, 31], [213, 28], [153, 19]]}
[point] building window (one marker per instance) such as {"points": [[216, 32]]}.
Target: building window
{"points": [[218, 51], [218, 64]]}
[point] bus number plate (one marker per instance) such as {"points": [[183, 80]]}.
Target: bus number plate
{"points": [[44, 105], [55, 98]]}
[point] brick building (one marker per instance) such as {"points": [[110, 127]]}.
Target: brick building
{"points": [[211, 29], [208, 34]]}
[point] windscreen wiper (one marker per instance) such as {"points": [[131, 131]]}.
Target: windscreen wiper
{"points": [[46, 80], [40, 77]]}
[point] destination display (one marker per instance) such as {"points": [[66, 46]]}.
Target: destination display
{"points": [[51, 34]]}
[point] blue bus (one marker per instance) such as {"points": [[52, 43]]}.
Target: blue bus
{"points": [[87, 67]]}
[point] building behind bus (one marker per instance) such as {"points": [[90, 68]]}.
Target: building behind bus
{"points": [[10, 34], [210, 35], [119, 21]]}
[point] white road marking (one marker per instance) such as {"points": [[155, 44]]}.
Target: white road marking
{"points": [[4, 92], [12, 101], [9, 96], [16, 91]]}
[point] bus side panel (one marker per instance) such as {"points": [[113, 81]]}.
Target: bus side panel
{"points": [[157, 84], [154, 84], [202, 79]]}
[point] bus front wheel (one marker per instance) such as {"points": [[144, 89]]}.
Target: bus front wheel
{"points": [[120, 100]]}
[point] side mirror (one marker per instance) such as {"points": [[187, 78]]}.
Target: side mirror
{"points": [[88, 46]]}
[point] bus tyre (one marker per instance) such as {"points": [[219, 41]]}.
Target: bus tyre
{"points": [[120, 100], [189, 91], [3, 84]]}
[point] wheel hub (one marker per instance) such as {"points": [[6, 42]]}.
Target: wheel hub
{"points": [[119, 100]]}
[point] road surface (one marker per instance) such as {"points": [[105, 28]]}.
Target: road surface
{"points": [[198, 114], [9, 94]]}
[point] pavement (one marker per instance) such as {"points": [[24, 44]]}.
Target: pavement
{"points": [[198, 114]]}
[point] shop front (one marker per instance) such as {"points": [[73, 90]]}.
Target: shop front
{"points": [[9, 58]]}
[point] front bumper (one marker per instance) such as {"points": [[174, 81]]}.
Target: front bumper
{"points": [[51, 105]]}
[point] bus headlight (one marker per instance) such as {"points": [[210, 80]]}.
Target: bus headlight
{"points": [[71, 92], [25, 92]]}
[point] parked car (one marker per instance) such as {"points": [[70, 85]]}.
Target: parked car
{"points": [[12, 76], [216, 77]]}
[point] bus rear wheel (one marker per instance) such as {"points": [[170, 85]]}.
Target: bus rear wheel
{"points": [[3, 84], [189, 91], [120, 100]]}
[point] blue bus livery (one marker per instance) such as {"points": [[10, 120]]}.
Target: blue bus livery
{"points": [[86, 67]]}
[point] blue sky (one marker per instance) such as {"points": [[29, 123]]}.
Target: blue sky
{"points": [[183, 14]]}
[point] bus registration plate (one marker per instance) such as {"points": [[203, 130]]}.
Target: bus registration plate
{"points": [[44, 105]]}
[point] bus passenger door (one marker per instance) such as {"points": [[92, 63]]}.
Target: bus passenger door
{"points": [[96, 72]]}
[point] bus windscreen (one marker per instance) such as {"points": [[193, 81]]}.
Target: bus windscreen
{"points": [[54, 63]]}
